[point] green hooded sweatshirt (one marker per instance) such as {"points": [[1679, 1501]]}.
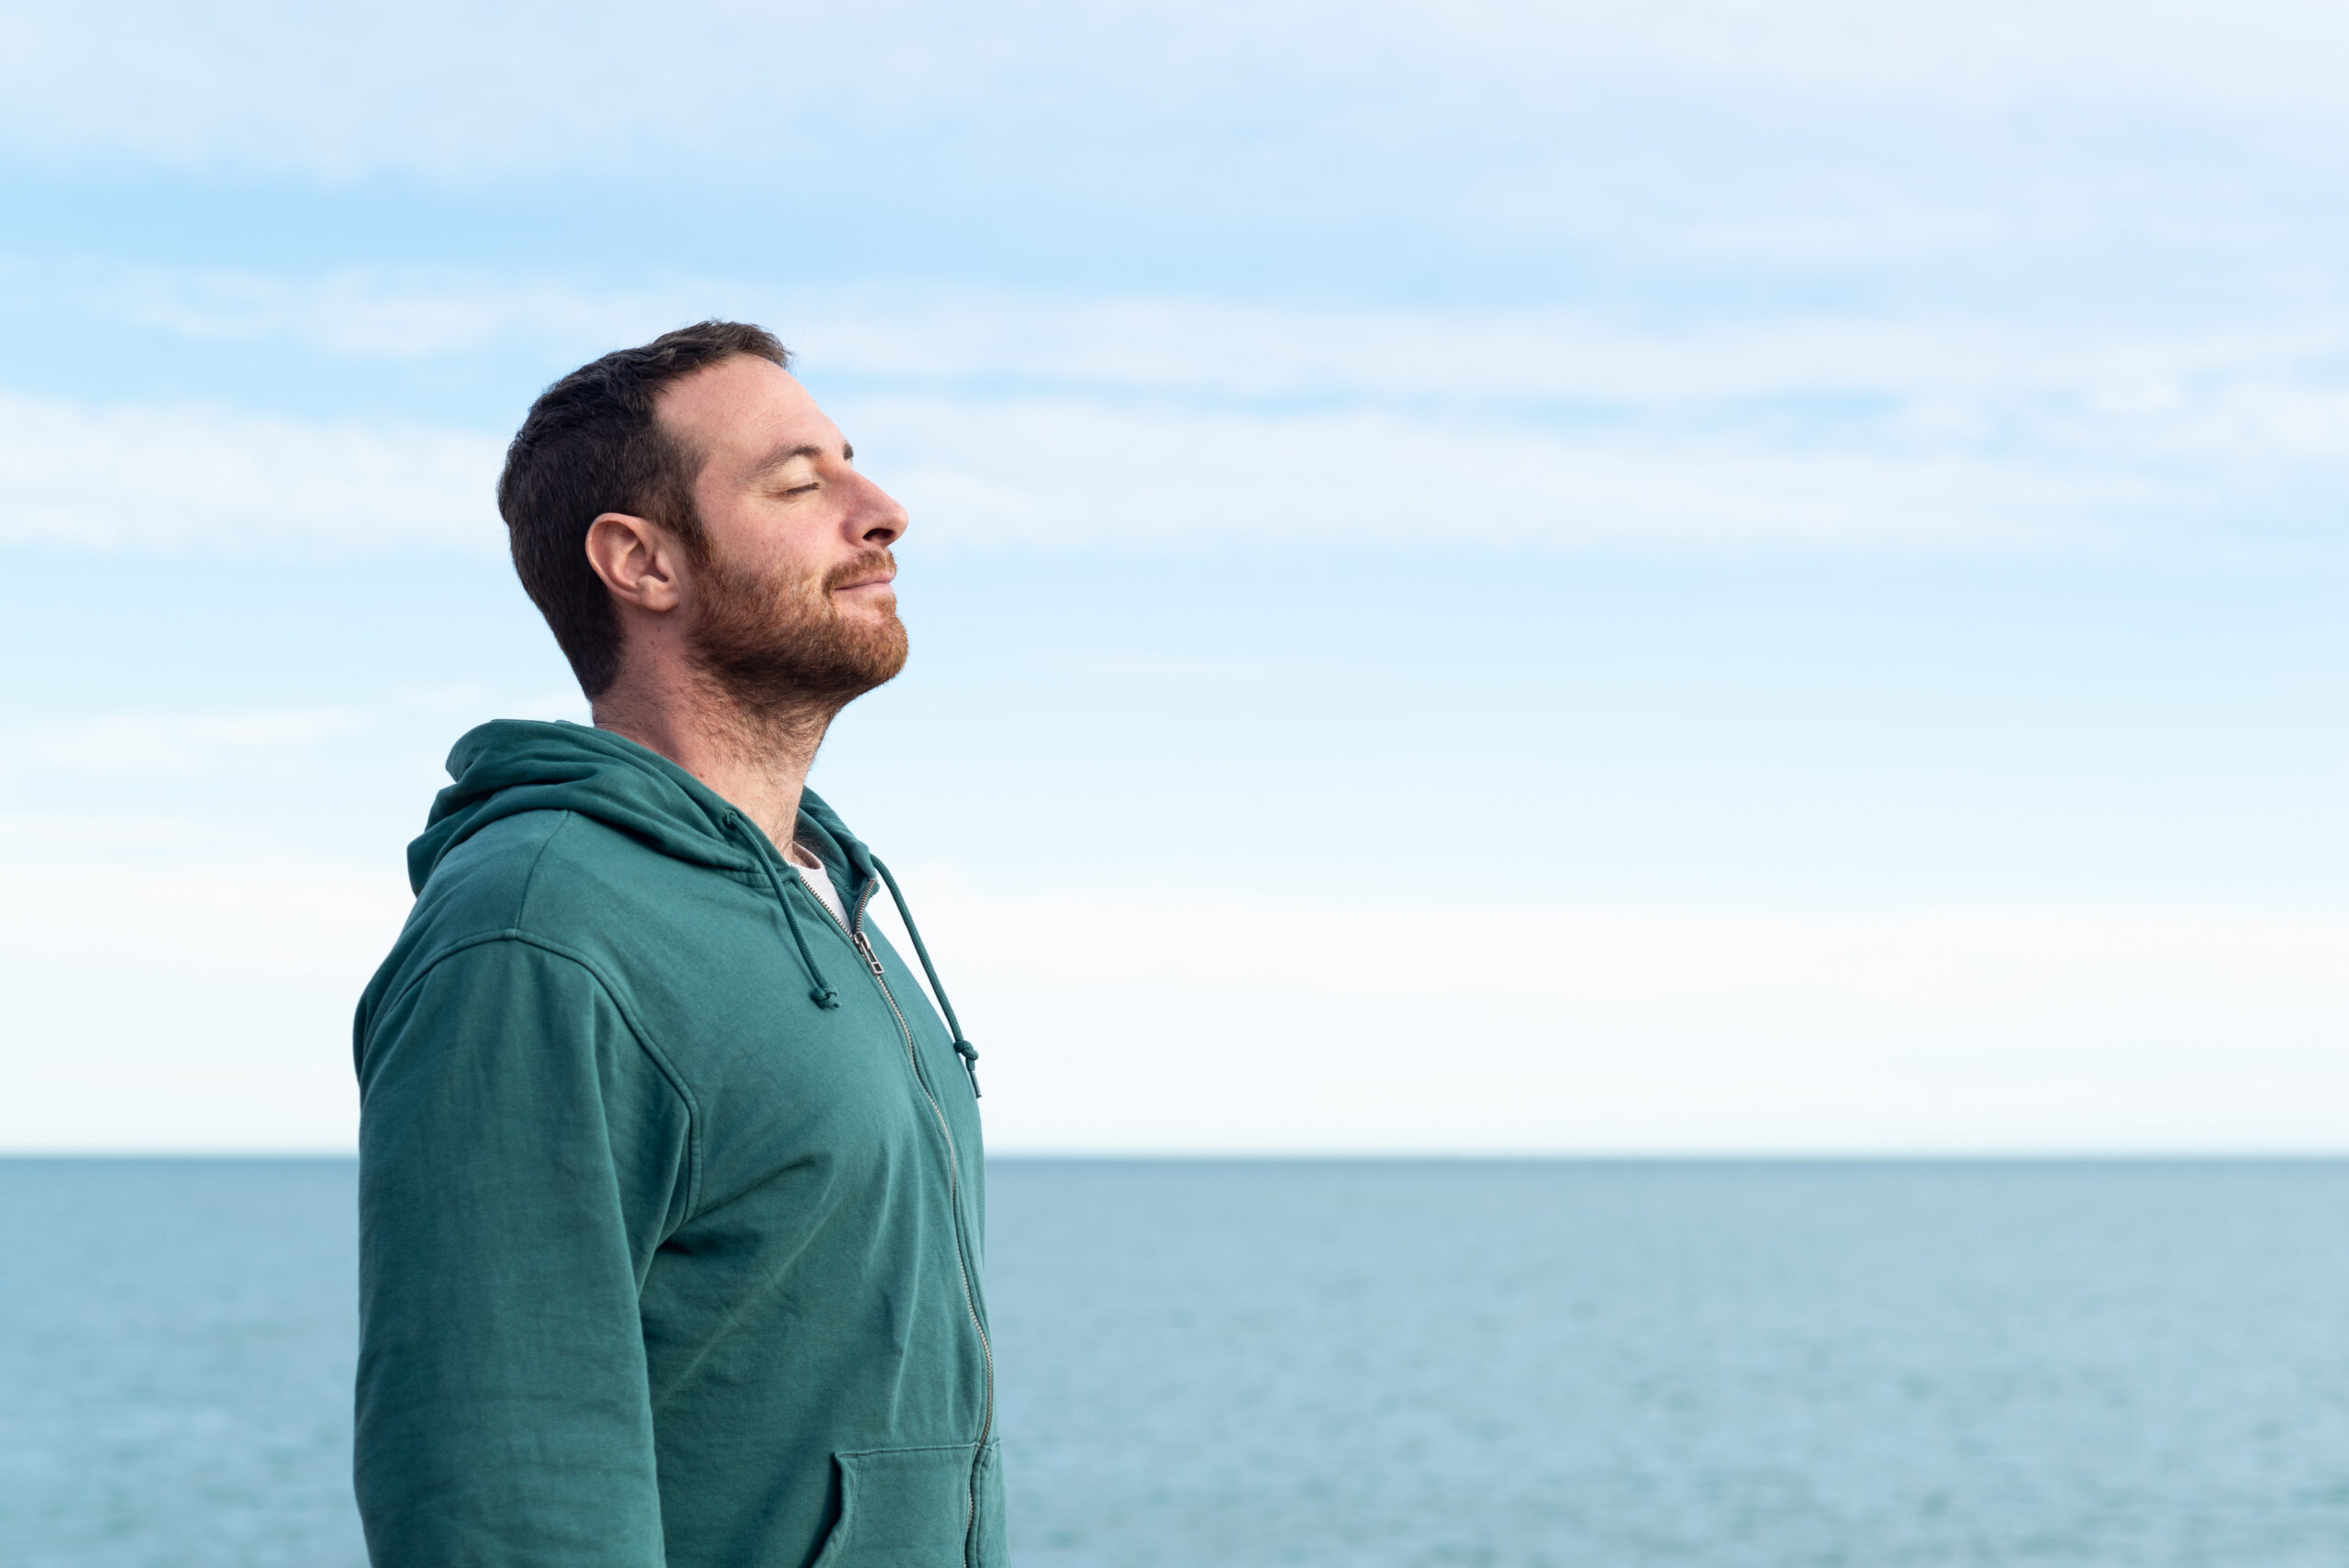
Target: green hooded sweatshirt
{"points": [[670, 1193]]}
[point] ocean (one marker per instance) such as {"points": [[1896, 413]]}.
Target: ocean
{"points": [[1362, 1365]]}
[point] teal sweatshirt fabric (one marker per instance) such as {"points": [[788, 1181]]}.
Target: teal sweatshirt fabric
{"points": [[671, 1201]]}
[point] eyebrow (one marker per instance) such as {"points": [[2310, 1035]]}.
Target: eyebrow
{"points": [[776, 460]]}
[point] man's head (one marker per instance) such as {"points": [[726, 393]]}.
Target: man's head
{"points": [[692, 486]]}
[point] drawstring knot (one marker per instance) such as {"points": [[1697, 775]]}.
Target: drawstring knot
{"points": [[821, 992], [963, 1047]]}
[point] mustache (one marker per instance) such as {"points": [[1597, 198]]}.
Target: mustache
{"points": [[859, 567]]}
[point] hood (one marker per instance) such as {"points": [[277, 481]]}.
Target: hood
{"points": [[509, 766]]}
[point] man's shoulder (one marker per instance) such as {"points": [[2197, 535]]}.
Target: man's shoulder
{"points": [[557, 874], [578, 889], [477, 891], [484, 883]]}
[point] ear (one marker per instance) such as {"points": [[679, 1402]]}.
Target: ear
{"points": [[637, 560]]}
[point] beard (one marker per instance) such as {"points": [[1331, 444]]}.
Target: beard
{"points": [[777, 646]]}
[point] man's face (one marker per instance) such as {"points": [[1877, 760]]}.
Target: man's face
{"points": [[790, 600]]}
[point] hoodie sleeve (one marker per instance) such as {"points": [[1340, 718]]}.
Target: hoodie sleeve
{"points": [[522, 1154]]}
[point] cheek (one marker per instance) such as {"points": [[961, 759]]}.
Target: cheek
{"points": [[755, 543]]}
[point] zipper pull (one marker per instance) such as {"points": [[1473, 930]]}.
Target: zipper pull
{"points": [[864, 946]]}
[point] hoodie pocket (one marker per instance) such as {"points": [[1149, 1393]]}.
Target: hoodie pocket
{"points": [[901, 1507]]}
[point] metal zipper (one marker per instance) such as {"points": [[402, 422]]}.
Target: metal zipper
{"points": [[863, 946]]}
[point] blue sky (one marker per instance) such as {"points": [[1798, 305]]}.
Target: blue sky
{"points": [[1606, 577]]}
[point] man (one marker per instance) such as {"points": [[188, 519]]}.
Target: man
{"points": [[670, 1188]]}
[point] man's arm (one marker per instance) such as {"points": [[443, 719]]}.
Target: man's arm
{"points": [[521, 1156]]}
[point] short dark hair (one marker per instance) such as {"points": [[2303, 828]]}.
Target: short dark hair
{"points": [[590, 445]]}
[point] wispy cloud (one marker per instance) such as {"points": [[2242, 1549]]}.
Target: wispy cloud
{"points": [[1071, 474], [1079, 423], [1904, 370], [232, 481], [364, 313], [34, 836], [129, 744], [1066, 475], [459, 92]]}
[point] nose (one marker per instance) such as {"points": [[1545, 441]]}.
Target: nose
{"points": [[876, 519]]}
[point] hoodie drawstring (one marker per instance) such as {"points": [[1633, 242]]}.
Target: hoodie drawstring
{"points": [[963, 1047], [821, 994]]}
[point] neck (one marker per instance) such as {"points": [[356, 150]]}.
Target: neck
{"points": [[755, 761]]}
